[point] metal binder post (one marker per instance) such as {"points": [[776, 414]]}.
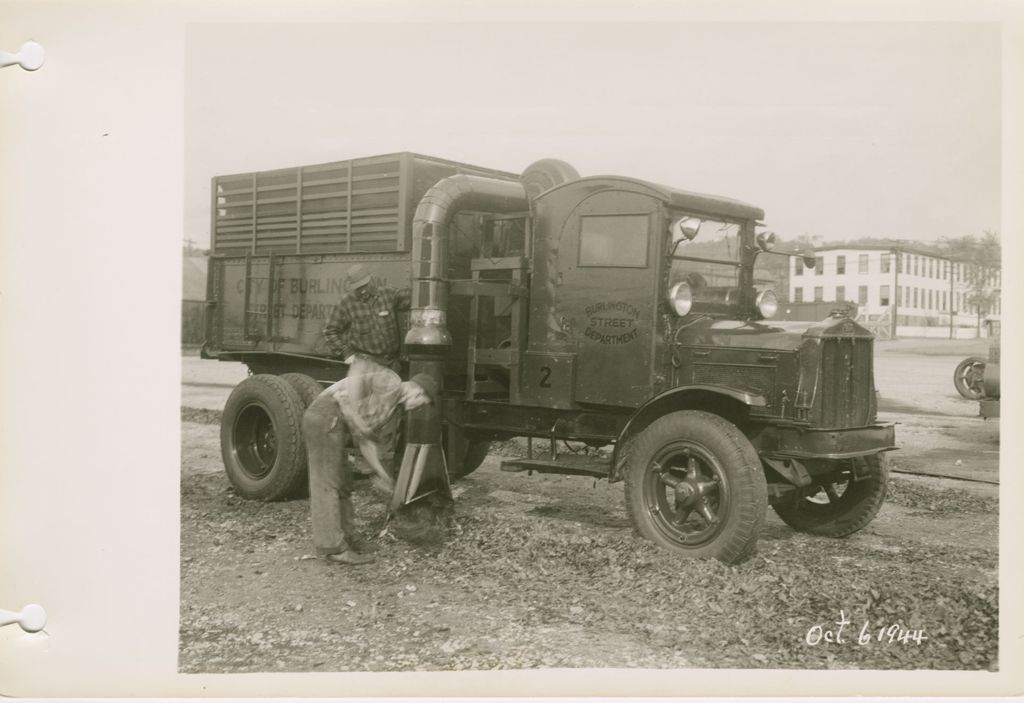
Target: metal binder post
{"points": [[31, 618], [30, 57]]}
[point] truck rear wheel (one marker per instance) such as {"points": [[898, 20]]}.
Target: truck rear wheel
{"points": [[694, 485], [307, 388], [476, 452], [842, 507], [261, 439], [464, 455]]}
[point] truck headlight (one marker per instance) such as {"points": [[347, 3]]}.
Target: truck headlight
{"points": [[767, 304], [681, 298]]}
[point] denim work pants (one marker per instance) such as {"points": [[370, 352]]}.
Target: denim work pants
{"points": [[330, 476]]}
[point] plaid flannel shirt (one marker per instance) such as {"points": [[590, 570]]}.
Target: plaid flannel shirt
{"points": [[370, 327]]}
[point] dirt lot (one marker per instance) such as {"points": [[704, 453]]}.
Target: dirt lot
{"points": [[545, 571]]}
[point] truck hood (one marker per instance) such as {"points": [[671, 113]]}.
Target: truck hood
{"points": [[780, 336]]}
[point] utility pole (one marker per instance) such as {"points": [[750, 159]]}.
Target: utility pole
{"points": [[897, 265], [949, 271]]}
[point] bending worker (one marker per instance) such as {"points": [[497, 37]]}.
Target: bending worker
{"points": [[364, 323], [360, 405]]}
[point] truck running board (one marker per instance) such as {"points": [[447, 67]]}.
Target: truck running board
{"points": [[568, 465]]}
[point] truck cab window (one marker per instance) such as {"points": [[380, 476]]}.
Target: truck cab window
{"points": [[614, 240], [709, 263]]}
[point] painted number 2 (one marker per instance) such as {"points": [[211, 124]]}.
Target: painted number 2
{"points": [[545, 374]]}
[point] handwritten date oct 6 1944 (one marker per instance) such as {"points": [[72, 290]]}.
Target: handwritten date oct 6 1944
{"points": [[868, 634]]}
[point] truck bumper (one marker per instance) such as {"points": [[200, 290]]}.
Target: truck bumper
{"points": [[793, 442]]}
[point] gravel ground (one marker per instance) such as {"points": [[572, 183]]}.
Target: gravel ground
{"points": [[546, 572]]}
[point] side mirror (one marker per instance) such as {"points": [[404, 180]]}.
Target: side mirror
{"points": [[685, 228], [809, 261], [766, 241]]}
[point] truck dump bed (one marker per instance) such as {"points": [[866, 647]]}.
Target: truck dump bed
{"points": [[282, 241]]}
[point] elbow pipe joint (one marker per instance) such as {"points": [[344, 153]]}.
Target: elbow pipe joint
{"points": [[429, 328]]}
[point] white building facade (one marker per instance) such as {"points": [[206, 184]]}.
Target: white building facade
{"points": [[916, 291]]}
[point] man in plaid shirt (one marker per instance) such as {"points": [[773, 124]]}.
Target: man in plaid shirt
{"points": [[365, 321]]}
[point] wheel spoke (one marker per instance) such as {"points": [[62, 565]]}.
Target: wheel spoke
{"points": [[682, 516], [707, 513], [830, 491], [707, 487]]}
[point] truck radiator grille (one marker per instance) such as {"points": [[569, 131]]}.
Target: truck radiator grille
{"points": [[759, 379], [847, 382]]}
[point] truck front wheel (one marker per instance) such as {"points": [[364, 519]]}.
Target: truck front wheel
{"points": [[694, 485], [261, 439], [841, 507]]}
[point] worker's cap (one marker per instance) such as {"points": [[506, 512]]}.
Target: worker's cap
{"points": [[358, 276], [428, 384]]}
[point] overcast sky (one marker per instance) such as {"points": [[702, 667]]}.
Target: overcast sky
{"points": [[836, 130]]}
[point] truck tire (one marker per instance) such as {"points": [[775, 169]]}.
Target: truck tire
{"points": [[307, 388], [464, 455], [261, 439], [967, 378], [841, 508], [476, 452], [695, 485]]}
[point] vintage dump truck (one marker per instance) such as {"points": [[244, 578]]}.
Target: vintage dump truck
{"points": [[602, 311]]}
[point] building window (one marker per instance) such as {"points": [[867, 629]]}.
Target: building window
{"points": [[798, 267], [798, 295], [930, 306], [819, 265], [840, 294], [899, 261], [862, 263], [862, 295], [917, 265], [883, 296], [819, 294], [914, 304], [840, 264], [944, 301], [885, 262]]}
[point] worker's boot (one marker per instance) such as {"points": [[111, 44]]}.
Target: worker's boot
{"points": [[356, 542], [350, 557]]}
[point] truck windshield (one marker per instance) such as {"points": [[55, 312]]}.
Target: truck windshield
{"points": [[709, 263]]}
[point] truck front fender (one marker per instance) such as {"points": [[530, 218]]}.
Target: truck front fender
{"points": [[731, 403]]}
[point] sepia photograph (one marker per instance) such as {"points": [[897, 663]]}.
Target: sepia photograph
{"points": [[563, 345], [403, 350]]}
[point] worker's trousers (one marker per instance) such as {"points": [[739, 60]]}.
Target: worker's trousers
{"points": [[330, 476]]}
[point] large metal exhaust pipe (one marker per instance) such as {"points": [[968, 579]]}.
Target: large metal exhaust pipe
{"points": [[428, 339]]}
